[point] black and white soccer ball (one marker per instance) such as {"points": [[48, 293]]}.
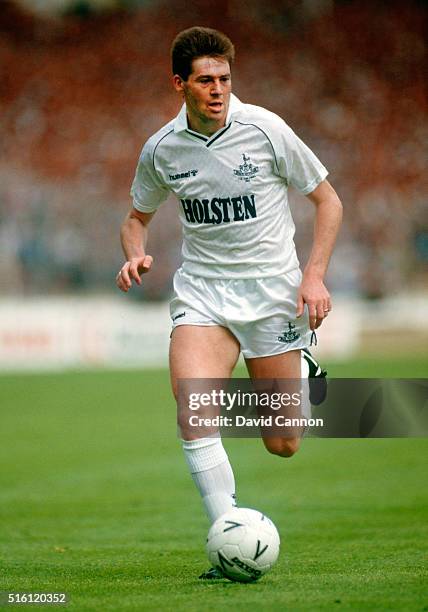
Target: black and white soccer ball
{"points": [[243, 544]]}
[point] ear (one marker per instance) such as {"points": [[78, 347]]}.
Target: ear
{"points": [[178, 83]]}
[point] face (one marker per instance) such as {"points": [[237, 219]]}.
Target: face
{"points": [[207, 93]]}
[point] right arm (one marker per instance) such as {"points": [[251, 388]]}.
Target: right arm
{"points": [[133, 236]]}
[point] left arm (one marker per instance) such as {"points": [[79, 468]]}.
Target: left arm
{"points": [[328, 218]]}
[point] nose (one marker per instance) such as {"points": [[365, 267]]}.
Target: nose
{"points": [[216, 87]]}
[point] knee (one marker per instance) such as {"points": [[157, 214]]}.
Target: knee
{"points": [[283, 447]]}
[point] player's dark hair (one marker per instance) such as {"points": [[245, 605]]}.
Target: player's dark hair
{"points": [[199, 42]]}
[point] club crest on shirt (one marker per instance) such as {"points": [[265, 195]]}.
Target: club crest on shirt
{"points": [[246, 170], [289, 334]]}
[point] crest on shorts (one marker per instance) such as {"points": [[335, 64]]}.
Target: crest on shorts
{"points": [[246, 170], [289, 335]]}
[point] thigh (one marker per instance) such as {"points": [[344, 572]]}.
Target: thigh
{"points": [[202, 352], [285, 366]]}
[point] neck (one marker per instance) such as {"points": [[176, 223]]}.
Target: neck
{"points": [[207, 128]]}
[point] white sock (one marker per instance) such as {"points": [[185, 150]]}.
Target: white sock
{"points": [[212, 474]]}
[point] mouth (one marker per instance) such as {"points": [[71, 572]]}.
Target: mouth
{"points": [[216, 106]]}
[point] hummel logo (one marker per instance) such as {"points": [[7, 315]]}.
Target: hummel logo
{"points": [[179, 316], [246, 170], [181, 175]]}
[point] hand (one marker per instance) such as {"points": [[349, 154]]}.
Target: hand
{"points": [[313, 292], [131, 270]]}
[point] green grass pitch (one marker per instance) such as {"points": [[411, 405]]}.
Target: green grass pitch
{"points": [[95, 500]]}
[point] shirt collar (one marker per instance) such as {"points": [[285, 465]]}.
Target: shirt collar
{"points": [[180, 122]]}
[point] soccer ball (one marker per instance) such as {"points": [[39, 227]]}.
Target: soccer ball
{"points": [[243, 544]]}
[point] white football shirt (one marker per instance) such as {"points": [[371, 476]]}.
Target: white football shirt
{"points": [[231, 189]]}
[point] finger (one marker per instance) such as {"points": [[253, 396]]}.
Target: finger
{"points": [[133, 273], [124, 275], [120, 283], [321, 311], [319, 315], [329, 304], [300, 306], [326, 308], [318, 323], [147, 264], [312, 316]]}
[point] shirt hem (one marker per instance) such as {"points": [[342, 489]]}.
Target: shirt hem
{"points": [[314, 184], [144, 209], [227, 275]]}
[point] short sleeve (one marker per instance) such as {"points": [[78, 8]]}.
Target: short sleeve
{"points": [[296, 162], [148, 190]]}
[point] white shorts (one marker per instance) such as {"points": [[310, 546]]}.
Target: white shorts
{"points": [[260, 313]]}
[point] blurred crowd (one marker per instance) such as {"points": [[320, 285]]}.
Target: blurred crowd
{"points": [[79, 95]]}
